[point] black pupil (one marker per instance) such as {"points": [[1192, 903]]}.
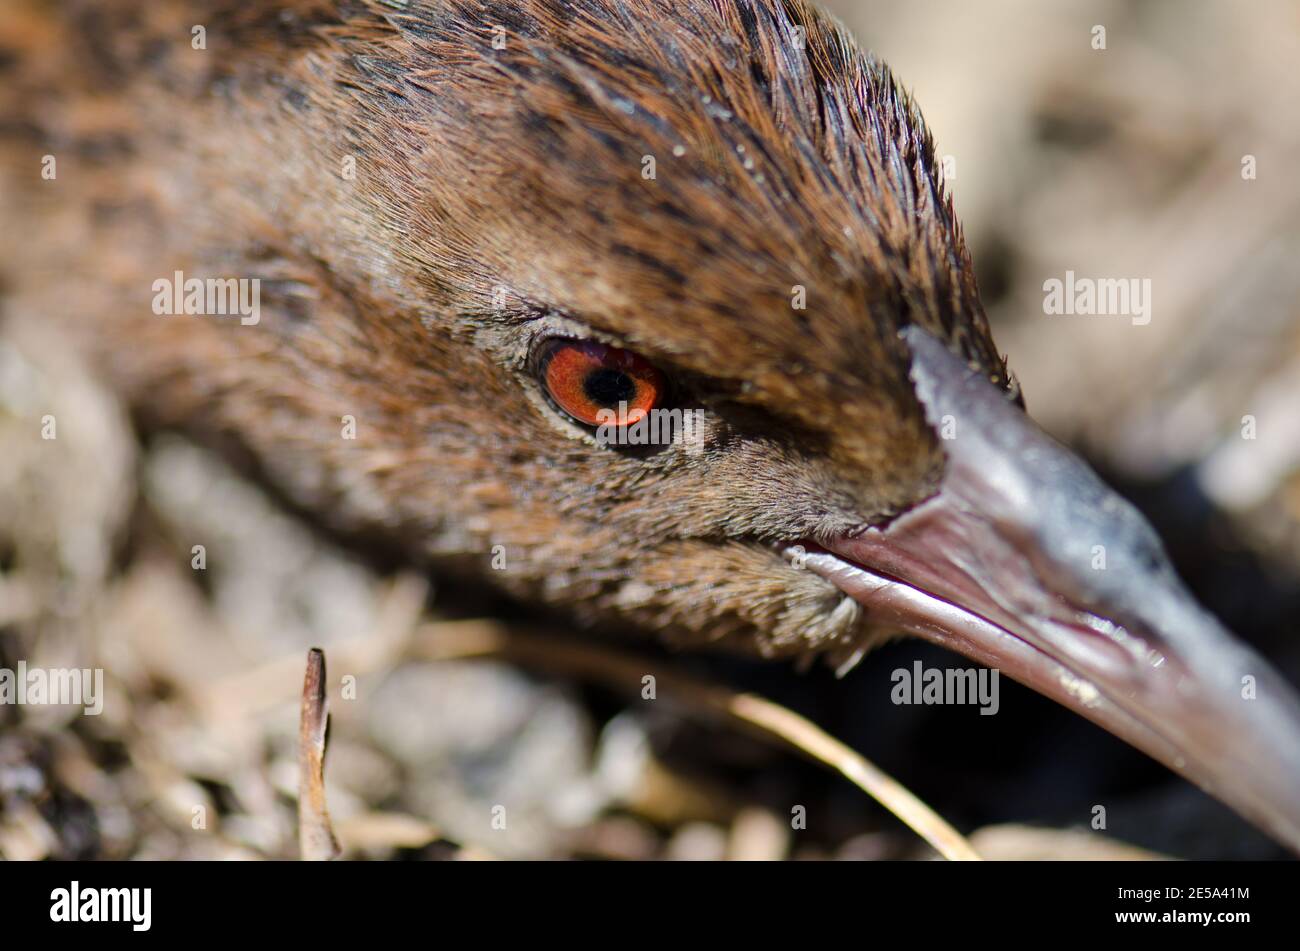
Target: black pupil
{"points": [[608, 387]]}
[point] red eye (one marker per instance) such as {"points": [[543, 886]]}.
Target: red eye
{"points": [[584, 377]]}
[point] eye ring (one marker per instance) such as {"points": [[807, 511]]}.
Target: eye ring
{"points": [[587, 381]]}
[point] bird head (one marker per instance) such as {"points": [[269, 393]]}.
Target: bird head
{"points": [[719, 207]]}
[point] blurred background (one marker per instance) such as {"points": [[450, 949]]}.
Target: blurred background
{"points": [[1173, 154]]}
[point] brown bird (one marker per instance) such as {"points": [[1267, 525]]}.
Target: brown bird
{"points": [[476, 225]]}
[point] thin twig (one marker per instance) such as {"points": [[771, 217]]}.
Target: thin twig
{"points": [[458, 640], [316, 839], [448, 640]]}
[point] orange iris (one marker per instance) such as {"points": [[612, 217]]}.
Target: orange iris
{"points": [[584, 377]]}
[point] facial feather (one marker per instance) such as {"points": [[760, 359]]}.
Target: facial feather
{"points": [[426, 189]]}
